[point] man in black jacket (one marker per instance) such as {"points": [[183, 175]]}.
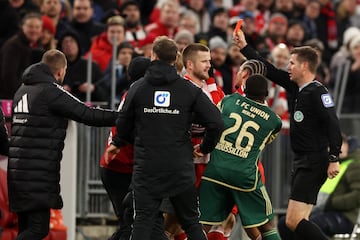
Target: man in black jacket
{"points": [[41, 109], [314, 133], [159, 110]]}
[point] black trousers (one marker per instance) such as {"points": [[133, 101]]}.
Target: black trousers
{"points": [[147, 210], [33, 225], [117, 185]]}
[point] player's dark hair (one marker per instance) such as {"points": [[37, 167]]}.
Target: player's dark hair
{"points": [[254, 67], [256, 87]]}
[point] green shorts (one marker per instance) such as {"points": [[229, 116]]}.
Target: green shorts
{"points": [[216, 202]]}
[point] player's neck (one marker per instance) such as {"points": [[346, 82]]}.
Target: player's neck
{"points": [[307, 78]]}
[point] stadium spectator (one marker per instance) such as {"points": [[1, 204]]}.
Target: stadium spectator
{"points": [[190, 22], [10, 17], [276, 32], [76, 78], [277, 98], [183, 38], [295, 34], [327, 29], [53, 9], [343, 53], [218, 27], [18, 52], [48, 33], [124, 54], [84, 24], [218, 50], [284, 7], [102, 47], [134, 30], [312, 12], [23, 7], [168, 22], [202, 13]]}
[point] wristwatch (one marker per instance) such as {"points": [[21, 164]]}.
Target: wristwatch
{"points": [[333, 158]]}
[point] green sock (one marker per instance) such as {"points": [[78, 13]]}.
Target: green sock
{"points": [[271, 235]]}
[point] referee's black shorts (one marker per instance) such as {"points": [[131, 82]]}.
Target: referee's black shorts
{"points": [[308, 175]]}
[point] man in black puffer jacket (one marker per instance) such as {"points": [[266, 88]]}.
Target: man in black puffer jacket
{"points": [[159, 110], [41, 109]]}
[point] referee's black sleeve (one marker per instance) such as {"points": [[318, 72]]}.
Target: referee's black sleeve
{"points": [[326, 110]]}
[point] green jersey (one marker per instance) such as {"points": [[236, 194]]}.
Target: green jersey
{"points": [[248, 126]]}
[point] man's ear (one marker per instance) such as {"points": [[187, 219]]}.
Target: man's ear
{"points": [[153, 56], [58, 75], [245, 75], [305, 65], [189, 64]]}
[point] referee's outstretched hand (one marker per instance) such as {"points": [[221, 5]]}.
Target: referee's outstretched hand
{"points": [[333, 169], [239, 39]]}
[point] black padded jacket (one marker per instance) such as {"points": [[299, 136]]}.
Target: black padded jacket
{"points": [[41, 109]]}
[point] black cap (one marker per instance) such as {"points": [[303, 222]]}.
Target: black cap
{"points": [[256, 86], [138, 67], [128, 3]]}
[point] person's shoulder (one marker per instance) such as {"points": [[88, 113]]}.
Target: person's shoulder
{"points": [[140, 83], [321, 93], [318, 88], [187, 83], [233, 96]]}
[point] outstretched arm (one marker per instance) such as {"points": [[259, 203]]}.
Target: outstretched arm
{"points": [[274, 74]]}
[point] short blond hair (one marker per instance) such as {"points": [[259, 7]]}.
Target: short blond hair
{"points": [[55, 60]]}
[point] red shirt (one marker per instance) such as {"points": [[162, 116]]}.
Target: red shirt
{"points": [[101, 51], [124, 160], [215, 94]]}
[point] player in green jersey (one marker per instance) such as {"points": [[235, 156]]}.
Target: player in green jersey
{"points": [[232, 175]]}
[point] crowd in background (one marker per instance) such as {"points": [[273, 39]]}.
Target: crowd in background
{"points": [[85, 29]]}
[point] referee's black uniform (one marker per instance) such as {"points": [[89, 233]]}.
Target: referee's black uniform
{"points": [[160, 109], [314, 129]]}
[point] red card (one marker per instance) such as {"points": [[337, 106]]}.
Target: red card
{"points": [[238, 26]]}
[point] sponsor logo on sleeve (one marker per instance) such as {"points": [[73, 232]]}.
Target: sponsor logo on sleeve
{"points": [[327, 100]]}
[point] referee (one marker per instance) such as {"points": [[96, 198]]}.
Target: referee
{"points": [[314, 133]]}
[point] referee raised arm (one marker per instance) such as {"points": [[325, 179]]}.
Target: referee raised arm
{"points": [[314, 133]]}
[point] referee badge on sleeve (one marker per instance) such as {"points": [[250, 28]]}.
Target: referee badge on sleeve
{"points": [[327, 100]]}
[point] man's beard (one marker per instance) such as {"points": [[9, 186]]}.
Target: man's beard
{"points": [[201, 75], [132, 24]]}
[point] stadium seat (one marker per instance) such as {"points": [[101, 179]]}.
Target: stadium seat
{"points": [[8, 220]]}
